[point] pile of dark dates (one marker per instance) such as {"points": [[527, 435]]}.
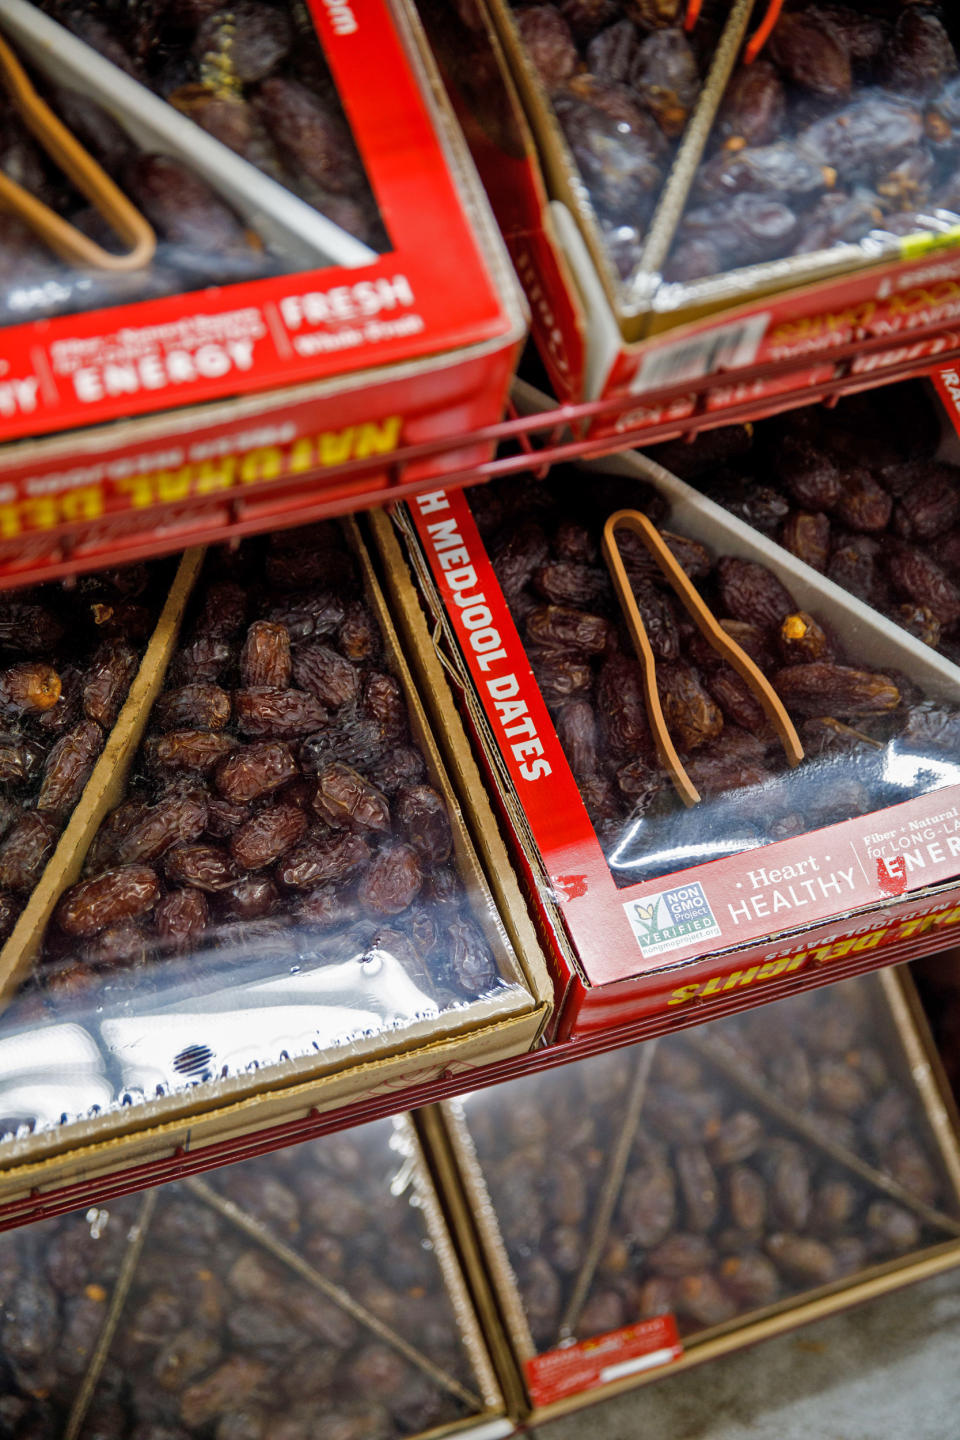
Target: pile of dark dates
{"points": [[544, 540], [623, 77], [278, 806], [67, 656], [848, 124], [253, 76], [218, 1338], [721, 1210], [854, 491]]}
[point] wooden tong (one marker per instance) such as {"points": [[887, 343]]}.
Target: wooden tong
{"points": [[62, 147], [708, 625]]}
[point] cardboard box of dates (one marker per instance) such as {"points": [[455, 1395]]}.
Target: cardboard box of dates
{"points": [[283, 315], [659, 180], [274, 903], [315, 1291], [866, 492], [659, 1206], [763, 875]]}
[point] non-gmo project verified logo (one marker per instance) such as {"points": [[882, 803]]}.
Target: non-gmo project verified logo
{"points": [[672, 919]]}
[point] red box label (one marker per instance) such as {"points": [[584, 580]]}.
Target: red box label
{"points": [[571, 1369]]}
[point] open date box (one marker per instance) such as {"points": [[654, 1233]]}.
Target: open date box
{"points": [[644, 1211], [291, 320], [169, 983], [650, 907], [314, 1289], [590, 193]]}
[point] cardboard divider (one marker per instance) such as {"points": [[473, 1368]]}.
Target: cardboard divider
{"points": [[475, 1226], [105, 787]]}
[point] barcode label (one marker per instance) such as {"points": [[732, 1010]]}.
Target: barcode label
{"points": [[728, 347]]}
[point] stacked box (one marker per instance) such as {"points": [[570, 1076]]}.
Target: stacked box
{"points": [[278, 884], [316, 1288], [665, 1204]]}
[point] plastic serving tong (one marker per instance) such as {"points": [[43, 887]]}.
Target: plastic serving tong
{"points": [[709, 627], [62, 147]]}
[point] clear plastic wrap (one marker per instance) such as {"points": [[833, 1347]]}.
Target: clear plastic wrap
{"points": [[249, 84], [314, 1291], [287, 876], [716, 1175], [870, 738], [701, 178]]}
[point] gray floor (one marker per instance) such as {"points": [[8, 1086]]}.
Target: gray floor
{"points": [[888, 1370]]}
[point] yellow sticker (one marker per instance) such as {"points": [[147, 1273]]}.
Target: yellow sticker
{"points": [[913, 246]]}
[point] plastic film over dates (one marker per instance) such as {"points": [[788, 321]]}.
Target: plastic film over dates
{"points": [[727, 1201], [289, 1297], [280, 875], [871, 738]]}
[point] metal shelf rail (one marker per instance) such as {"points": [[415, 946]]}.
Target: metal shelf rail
{"points": [[537, 440]]}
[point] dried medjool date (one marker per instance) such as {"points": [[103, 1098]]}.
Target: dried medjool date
{"points": [[692, 716], [316, 141], [326, 674], [750, 592], [322, 859], [205, 867], [182, 208], [382, 700], [192, 749], [753, 105], [267, 835], [181, 916], [663, 71], [917, 575], [192, 707], [863, 505], [265, 713], [116, 895], [393, 880], [254, 771], [811, 56], [265, 657], [346, 801], [68, 767], [30, 688], [828, 689], [174, 819], [857, 138], [421, 814], [807, 536], [471, 968], [25, 850], [548, 42], [803, 641], [918, 57], [577, 732]]}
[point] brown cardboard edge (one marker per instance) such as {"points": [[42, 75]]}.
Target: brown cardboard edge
{"points": [[926, 1070], [479, 895], [102, 790], [473, 198], [486, 833], [425, 1190], [448, 1178], [96, 1149], [480, 1213]]}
